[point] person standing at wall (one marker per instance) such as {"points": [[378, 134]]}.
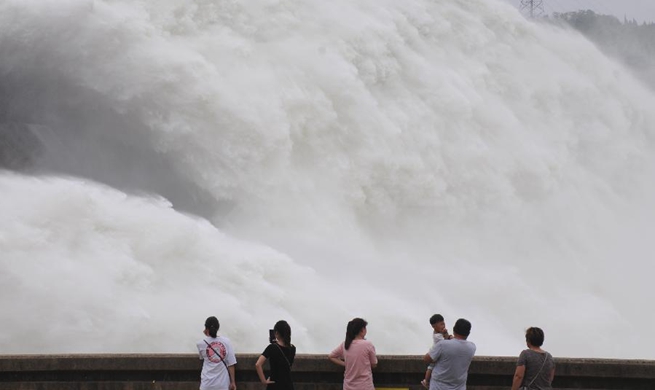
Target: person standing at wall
{"points": [[218, 359], [452, 359], [535, 368], [439, 333], [280, 354], [358, 357]]}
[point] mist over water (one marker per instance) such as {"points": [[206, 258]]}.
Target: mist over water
{"points": [[315, 161]]}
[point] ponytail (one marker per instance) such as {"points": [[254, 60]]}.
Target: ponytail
{"points": [[212, 325], [352, 330]]}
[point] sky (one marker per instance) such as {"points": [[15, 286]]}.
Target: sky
{"points": [[640, 10]]}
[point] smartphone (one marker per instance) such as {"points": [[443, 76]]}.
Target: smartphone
{"points": [[271, 335]]}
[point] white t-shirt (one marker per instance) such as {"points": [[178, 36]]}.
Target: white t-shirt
{"points": [[214, 375], [436, 337]]}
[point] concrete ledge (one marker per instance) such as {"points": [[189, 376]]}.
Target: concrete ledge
{"points": [[311, 372]]}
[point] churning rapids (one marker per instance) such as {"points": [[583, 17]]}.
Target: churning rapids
{"points": [[310, 160]]}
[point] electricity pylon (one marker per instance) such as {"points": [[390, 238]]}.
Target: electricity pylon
{"points": [[532, 7]]}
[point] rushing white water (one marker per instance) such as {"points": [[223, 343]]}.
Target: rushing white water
{"points": [[316, 161]]}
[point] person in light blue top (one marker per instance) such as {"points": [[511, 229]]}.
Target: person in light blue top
{"points": [[452, 359]]}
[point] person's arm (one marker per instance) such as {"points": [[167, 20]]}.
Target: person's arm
{"points": [[428, 359], [428, 375], [336, 361], [231, 361], [518, 377], [201, 348], [373, 357], [233, 383], [552, 375], [259, 366], [336, 356], [434, 353]]}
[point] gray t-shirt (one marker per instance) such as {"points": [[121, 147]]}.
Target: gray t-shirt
{"points": [[533, 361], [451, 364]]}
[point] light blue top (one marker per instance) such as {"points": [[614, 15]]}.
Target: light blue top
{"points": [[451, 364]]}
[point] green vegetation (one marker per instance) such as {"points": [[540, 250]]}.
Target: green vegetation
{"points": [[631, 43]]}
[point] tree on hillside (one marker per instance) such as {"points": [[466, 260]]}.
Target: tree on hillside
{"points": [[631, 43]]}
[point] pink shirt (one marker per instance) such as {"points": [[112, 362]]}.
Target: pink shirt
{"points": [[359, 358]]}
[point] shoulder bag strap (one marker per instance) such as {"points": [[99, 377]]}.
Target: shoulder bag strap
{"points": [[282, 352], [539, 372], [223, 360]]}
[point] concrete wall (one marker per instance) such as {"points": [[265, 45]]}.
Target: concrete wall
{"points": [[311, 372]]}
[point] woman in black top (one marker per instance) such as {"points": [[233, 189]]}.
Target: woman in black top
{"points": [[280, 354]]}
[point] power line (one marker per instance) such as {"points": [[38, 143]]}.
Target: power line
{"points": [[532, 7]]}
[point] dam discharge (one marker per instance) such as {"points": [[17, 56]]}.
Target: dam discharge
{"points": [[314, 161]]}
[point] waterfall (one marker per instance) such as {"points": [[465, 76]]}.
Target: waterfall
{"points": [[164, 161]]}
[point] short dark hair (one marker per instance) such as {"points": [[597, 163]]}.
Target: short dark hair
{"points": [[535, 336], [436, 318], [462, 327]]}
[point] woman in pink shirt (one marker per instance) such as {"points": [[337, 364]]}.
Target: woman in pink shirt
{"points": [[358, 356]]}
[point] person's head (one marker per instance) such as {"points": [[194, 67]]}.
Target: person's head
{"points": [[438, 323], [283, 332], [211, 326], [462, 328], [534, 336], [356, 327]]}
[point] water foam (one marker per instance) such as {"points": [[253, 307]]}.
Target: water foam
{"points": [[380, 159]]}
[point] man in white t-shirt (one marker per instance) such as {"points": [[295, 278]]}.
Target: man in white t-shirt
{"points": [[452, 359]]}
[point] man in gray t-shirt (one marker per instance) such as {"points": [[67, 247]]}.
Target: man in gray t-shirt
{"points": [[452, 359]]}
